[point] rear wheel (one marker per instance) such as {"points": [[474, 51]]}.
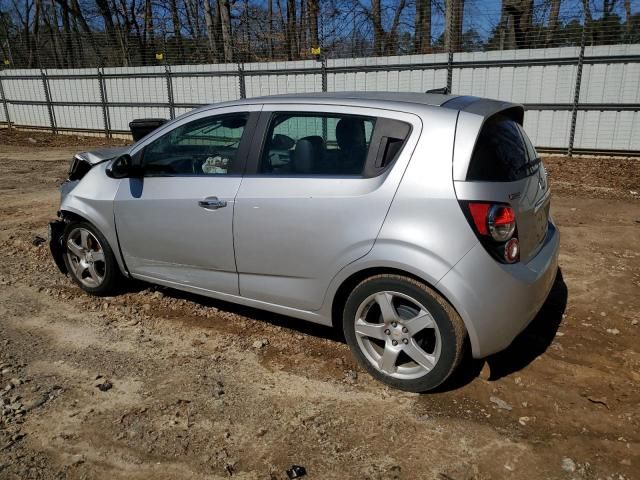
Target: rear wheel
{"points": [[89, 259], [403, 333]]}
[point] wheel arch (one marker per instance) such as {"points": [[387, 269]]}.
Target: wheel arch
{"points": [[69, 215], [346, 287]]}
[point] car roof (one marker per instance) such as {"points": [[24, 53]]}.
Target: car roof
{"points": [[432, 99], [483, 107]]}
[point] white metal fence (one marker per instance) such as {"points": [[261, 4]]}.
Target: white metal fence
{"points": [[594, 91]]}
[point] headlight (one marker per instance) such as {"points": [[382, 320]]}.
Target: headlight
{"points": [[78, 168]]}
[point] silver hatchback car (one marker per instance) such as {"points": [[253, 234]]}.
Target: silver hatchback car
{"points": [[418, 223]]}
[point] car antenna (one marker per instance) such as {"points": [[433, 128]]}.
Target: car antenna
{"points": [[442, 90]]}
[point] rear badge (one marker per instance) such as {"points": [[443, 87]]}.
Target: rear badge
{"points": [[542, 182], [514, 196]]}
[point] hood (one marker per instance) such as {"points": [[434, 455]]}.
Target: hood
{"points": [[102, 154]]}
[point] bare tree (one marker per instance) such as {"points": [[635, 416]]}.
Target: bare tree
{"points": [[211, 19], [291, 29], [588, 19], [517, 16], [177, 28], [553, 22], [454, 12], [384, 41], [270, 27], [422, 34], [224, 12], [314, 12], [627, 11]]}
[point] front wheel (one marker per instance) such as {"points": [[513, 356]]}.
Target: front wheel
{"points": [[89, 259], [403, 333]]}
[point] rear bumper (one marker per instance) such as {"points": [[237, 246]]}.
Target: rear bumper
{"points": [[497, 301]]}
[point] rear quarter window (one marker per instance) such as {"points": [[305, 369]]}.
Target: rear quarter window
{"points": [[502, 153]]}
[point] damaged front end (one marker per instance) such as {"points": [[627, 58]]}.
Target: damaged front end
{"points": [[80, 166], [56, 236]]}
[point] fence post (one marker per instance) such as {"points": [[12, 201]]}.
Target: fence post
{"points": [[4, 104], [47, 95], [172, 108], [243, 87], [450, 70], [104, 101], [576, 95], [324, 73]]}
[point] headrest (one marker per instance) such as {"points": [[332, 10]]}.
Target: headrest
{"points": [[304, 156], [350, 134]]}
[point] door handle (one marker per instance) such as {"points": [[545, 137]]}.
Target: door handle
{"points": [[212, 203]]}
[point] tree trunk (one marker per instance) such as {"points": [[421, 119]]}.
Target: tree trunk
{"points": [[66, 29], [627, 11], [517, 16], [107, 18], [149, 37], [553, 22], [378, 31], [225, 26], [175, 21], [270, 29], [391, 41], [422, 35], [454, 11], [291, 29], [314, 10], [588, 21], [209, 18]]}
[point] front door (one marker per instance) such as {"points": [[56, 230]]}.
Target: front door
{"points": [[175, 225]]}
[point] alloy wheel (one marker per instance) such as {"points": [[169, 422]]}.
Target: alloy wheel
{"points": [[86, 257], [397, 335]]}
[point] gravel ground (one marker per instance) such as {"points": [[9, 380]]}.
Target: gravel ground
{"points": [[155, 383]]}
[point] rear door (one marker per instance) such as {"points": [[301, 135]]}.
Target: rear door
{"points": [[505, 167], [316, 196]]}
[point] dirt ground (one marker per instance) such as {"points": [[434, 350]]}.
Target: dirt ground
{"points": [[205, 389]]}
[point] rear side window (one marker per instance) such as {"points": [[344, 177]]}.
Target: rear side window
{"points": [[316, 144], [503, 153]]}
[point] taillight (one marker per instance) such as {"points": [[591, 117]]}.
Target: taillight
{"points": [[502, 222], [495, 225]]}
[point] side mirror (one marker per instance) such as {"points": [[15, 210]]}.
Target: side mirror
{"points": [[124, 167]]}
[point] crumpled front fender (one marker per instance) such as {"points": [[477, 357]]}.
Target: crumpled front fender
{"points": [[56, 232]]}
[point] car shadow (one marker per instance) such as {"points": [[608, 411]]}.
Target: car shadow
{"points": [[275, 319], [525, 348]]}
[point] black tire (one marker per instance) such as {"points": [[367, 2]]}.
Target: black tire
{"points": [[450, 328], [110, 275]]}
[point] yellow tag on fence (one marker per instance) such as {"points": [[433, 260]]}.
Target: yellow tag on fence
{"points": [[159, 56], [315, 50], [6, 61]]}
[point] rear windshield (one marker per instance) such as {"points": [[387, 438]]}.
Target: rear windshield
{"points": [[503, 152]]}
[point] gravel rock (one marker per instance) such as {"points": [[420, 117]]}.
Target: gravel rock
{"points": [[260, 343], [104, 385], [501, 404], [568, 465], [218, 389]]}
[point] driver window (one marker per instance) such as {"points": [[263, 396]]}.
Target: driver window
{"points": [[207, 146]]}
